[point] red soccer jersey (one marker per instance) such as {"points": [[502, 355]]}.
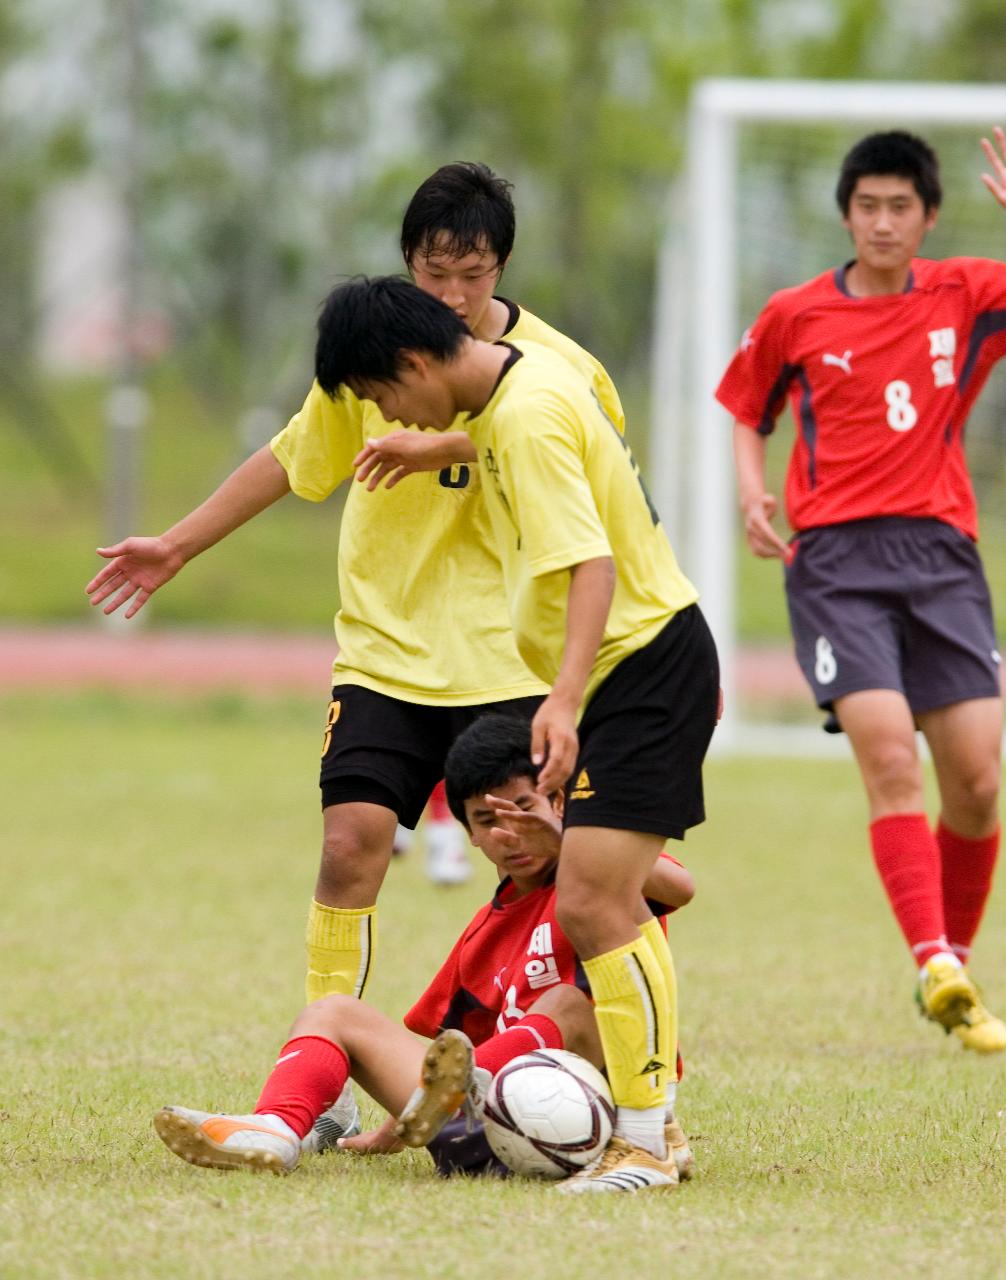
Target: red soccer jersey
{"points": [[880, 390], [510, 953]]}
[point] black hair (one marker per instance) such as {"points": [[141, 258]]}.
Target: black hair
{"points": [[493, 750], [366, 325], [465, 208], [902, 154]]}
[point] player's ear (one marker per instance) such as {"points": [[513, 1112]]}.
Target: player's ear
{"points": [[413, 362], [558, 799]]}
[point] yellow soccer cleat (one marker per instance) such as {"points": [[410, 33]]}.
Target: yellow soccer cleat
{"points": [[621, 1167], [980, 1030], [946, 994], [450, 1081], [229, 1142], [678, 1149]]}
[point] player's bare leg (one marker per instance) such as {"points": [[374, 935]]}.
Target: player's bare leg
{"points": [[881, 729], [329, 1041], [966, 741], [598, 905], [342, 927]]}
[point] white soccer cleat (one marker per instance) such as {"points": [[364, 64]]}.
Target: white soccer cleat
{"points": [[218, 1141], [341, 1120], [447, 860]]}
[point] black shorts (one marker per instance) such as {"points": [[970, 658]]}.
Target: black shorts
{"points": [[893, 603], [380, 750], [645, 734]]}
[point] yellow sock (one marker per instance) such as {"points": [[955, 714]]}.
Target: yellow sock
{"points": [[657, 940], [340, 946], [631, 1006]]}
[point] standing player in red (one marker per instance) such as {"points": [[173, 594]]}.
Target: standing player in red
{"points": [[511, 983], [881, 361]]}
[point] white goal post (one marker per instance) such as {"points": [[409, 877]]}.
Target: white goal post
{"points": [[697, 287]]}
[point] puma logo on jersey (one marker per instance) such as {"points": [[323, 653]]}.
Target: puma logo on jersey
{"points": [[843, 362], [581, 789]]}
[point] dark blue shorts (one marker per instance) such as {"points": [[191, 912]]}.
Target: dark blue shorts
{"points": [[455, 1150], [892, 603]]}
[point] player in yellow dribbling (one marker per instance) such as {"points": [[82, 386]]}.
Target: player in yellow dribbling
{"points": [[602, 614], [409, 675]]}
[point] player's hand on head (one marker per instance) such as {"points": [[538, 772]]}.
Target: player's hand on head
{"points": [[136, 568], [554, 743], [543, 831], [762, 538], [995, 153]]}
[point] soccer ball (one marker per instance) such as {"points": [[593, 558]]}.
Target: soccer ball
{"points": [[548, 1113]]}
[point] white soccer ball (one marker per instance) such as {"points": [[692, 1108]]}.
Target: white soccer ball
{"points": [[548, 1113]]}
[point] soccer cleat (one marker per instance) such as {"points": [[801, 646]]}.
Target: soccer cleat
{"points": [[678, 1148], [450, 1081], [980, 1030], [621, 1167], [229, 1142], [446, 860], [341, 1120], [945, 994]]}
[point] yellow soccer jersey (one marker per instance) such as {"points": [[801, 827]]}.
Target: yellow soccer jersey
{"points": [[423, 617], [562, 487]]}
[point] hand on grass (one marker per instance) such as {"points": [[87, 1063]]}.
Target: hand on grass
{"points": [[374, 1142]]}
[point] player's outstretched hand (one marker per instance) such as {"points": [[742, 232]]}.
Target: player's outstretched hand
{"points": [[761, 537], [554, 742], [138, 566], [374, 1142], [996, 156], [542, 832]]}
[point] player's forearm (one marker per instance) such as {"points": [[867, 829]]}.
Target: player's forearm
{"points": [[592, 586], [749, 463], [455, 446], [669, 883], [256, 484]]}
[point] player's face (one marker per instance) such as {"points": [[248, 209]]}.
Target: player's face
{"points": [[417, 396], [465, 284], [887, 221], [525, 851]]}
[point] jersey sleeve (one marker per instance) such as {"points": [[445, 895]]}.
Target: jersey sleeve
{"points": [[542, 473], [317, 446], [429, 1014], [754, 386], [986, 281]]}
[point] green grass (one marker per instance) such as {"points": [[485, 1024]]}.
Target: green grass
{"points": [[158, 862]]}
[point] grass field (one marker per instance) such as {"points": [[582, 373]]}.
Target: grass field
{"points": [[158, 862]]}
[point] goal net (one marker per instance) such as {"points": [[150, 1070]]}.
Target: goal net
{"points": [[754, 213]]}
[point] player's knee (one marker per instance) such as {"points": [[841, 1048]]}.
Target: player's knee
{"points": [[325, 1016], [349, 854], [891, 770], [977, 792]]}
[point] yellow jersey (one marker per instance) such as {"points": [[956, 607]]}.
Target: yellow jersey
{"points": [[562, 487], [423, 614]]}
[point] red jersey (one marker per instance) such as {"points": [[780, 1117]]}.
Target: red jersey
{"points": [[510, 953], [880, 390]]}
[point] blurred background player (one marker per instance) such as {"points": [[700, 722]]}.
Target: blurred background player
{"points": [[600, 610], [424, 638], [543, 1004], [881, 360]]}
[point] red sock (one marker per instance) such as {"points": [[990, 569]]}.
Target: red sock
{"points": [[309, 1075], [908, 860], [535, 1031], [440, 810], [967, 879]]}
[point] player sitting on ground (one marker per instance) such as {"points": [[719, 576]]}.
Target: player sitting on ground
{"points": [[881, 360], [492, 790]]}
